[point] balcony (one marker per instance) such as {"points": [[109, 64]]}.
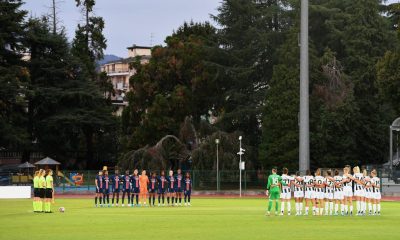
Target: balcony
{"points": [[117, 70], [121, 86]]}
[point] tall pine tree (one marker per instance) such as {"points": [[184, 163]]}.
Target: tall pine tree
{"points": [[13, 77]]}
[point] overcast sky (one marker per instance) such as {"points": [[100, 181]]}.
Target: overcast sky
{"points": [[132, 21]]}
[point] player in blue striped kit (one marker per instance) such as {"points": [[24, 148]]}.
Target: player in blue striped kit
{"points": [[153, 189], [116, 185], [187, 189], [171, 187], [178, 187], [126, 187], [106, 189], [135, 188], [99, 188], [162, 185]]}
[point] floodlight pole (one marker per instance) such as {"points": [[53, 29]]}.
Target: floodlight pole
{"points": [[217, 142], [240, 166], [304, 141]]}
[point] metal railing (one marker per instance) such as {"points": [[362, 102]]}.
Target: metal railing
{"points": [[82, 181]]}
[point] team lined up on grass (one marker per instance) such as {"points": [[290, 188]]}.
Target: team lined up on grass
{"points": [[43, 191], [325, 194], [139, 187]]}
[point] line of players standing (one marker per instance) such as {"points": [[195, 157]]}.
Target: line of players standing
{"points": [[138, 187], [326, 193]]}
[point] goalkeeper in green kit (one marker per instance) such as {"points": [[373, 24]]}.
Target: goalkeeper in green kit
{"points": [[274, 190]]}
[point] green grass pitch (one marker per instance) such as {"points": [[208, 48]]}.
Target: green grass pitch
{"points": [[206, 219]]}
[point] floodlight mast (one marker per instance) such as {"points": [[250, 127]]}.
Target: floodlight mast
{"points": [[304, 137]]}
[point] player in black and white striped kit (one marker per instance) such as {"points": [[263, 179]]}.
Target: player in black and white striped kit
{"points": [[368, 191], [286, 193], [329, 187], [348, 190], [338, 193], [359, 191], [309, 194], [319, 192], [376, 184], [298, 193]]}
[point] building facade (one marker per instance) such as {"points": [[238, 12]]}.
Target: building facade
{"points": [[119, 73]]}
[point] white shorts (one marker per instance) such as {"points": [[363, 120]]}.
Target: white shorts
{"points": [[287, 195], [309, 194], [359, 193], [338, 195], [369, 195], [329, 195], [319, 195], [347, 191], [377, 195], [298, 194]]}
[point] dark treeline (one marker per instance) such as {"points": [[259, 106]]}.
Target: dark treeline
{"points": [[239, 76], [50, 100]]}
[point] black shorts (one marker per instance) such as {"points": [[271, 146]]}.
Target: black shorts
{"points": [[135, 190], [99, 190], [126, 190], [42, 192], [36, 192], [49, 193], [152, 190], [161, 191]]}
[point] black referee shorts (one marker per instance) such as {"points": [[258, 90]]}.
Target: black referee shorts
{"points": [[49, 193], [36, 192], [42, 192]]}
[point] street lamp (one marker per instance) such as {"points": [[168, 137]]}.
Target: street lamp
{"points": [[217, 142], [241, 165]]}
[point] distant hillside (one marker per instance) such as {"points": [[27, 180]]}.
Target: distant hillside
{"points": [[107, 58]]}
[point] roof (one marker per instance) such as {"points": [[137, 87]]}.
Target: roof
{"points": [[134, 46], [47, 161], [128, 60], [26, 165], [396, 123]]}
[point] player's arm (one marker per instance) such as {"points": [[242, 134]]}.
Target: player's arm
{"points": [[282, 183], [296, 185], [361, 182], [344, 180], [348, 179], [336, 184], [351, 177], [377, 185], [316, 184], [310, 185], [300, 179], [95, 182]]}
